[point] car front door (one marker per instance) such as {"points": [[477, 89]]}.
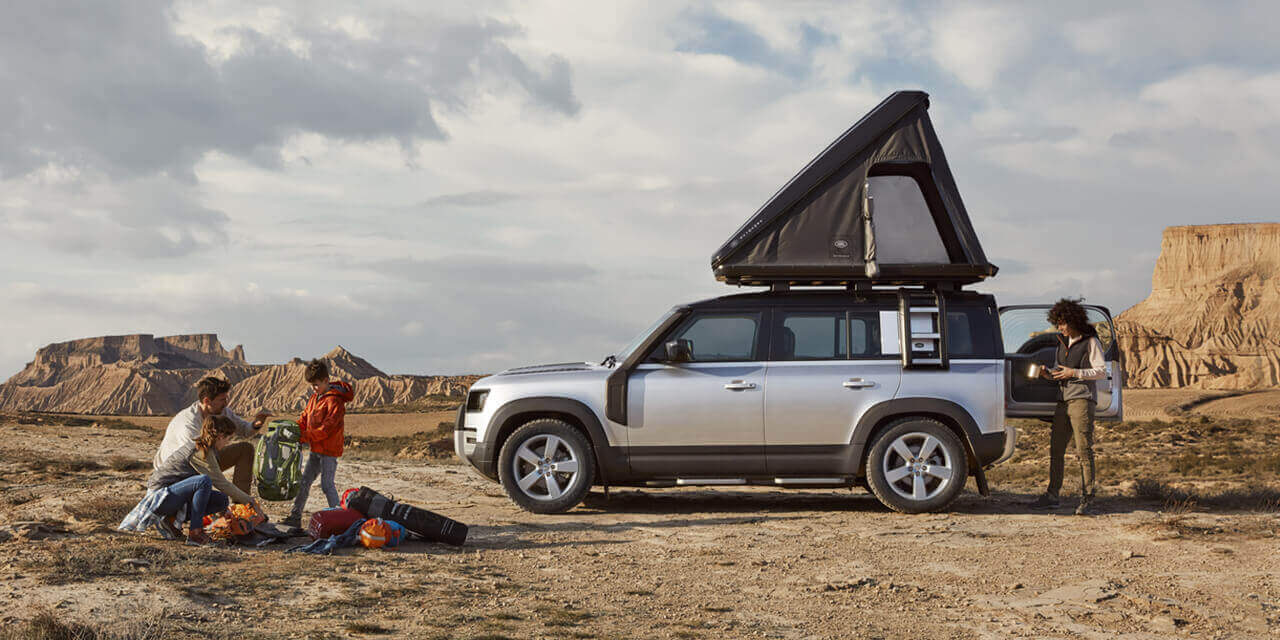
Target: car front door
{"points": [[1029, 338], [825, 370], [702, 418]]}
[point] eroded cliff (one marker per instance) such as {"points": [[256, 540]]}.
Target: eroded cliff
{"points": [[144, 375], [1213, 315]]}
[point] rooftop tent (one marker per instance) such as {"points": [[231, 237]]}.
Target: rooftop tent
{"points": [[879, 206]]}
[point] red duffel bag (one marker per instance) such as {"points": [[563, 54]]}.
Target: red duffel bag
{"points": [[332, 521]]}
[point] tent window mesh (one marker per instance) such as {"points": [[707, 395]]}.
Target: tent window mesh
{"points": [[905, 229]]}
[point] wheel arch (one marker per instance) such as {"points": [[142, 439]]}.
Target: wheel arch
{"points": [[953, 416], [577, 414]]}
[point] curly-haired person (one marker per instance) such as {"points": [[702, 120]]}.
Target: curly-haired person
{"points": [[1078, 364]]}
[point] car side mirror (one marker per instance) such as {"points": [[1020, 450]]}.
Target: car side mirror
{"points": [[679, 350]]}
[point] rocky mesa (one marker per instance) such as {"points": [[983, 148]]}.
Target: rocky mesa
{"points": [[144, 375], [1212, 320]]}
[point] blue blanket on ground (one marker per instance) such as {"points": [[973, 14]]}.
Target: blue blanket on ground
{"points": [[325, 546]]}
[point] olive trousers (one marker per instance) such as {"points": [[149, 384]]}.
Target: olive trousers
{"points": [[1073, 419], [240, 456]]}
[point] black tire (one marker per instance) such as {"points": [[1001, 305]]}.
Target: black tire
{"points": [[947, 456], [541, 496]]}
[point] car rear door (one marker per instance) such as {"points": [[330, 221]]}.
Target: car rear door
{"points": [[1029, 338], [825, 370]]}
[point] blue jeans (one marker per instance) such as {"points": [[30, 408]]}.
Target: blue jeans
{"points": [[199, 496], [317, 465]]}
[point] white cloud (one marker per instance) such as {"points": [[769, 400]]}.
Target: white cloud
{"points": [[580, 182], [977, 44]]}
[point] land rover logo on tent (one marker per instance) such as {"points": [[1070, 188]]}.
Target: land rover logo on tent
{"points": [[841, 244]]}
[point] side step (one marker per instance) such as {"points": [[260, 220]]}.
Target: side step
{"points": [[696, 482]]}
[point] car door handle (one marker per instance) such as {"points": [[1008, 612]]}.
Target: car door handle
{"points": [[858, 383], [739, 385]]}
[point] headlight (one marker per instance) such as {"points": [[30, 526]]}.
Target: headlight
{"points": [[475, 400]]}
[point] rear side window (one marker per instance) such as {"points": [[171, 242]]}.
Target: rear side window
{"points": [[717, 337], [810, 335], [864, 332], [969, 334]]}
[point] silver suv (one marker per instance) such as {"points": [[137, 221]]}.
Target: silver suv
{"points": [[893, 377], [796, 389]]}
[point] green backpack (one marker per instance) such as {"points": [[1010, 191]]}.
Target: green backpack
{"points": [[276, 460]]}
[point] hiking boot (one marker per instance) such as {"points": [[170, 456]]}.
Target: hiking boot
{"points": [[294, 521], [1085, 508], [169, 529], [198, 538], [1046, 501]]}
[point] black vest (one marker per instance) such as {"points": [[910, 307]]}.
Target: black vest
{"points": [[1076, 356]]}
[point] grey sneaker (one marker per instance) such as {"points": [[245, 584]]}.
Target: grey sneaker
{"points": [[292, 521], [1046, 501]]}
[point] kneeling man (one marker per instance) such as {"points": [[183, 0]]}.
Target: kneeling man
{"points": [[212, 397]]}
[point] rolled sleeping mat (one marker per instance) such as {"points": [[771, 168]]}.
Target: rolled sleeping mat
{"points": [[425, 524]]}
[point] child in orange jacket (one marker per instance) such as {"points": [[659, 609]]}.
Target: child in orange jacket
{"points": [[323, 423]]}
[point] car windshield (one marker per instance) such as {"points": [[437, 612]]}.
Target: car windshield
{"points": [[635, 343]]}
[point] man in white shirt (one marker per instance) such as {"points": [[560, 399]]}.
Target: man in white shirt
{"points": [[1079, 362], [212, 397]]}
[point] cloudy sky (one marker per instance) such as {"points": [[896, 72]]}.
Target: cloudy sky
{"points": [[461, 188]]}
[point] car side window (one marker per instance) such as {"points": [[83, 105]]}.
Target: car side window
{"points": [[717, 337], [810, 335], [864, 334]]}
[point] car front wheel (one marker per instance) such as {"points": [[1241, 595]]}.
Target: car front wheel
{"points": [[546, 466], [917, 465]]}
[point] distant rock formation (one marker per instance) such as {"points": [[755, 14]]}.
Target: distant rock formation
{"points": [[144, 375], [1212, 320]]}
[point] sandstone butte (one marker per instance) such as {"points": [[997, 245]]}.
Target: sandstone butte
{"points": [[144, 375], [1213, 315]]}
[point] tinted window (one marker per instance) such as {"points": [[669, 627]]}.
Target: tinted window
{"points": [[719, 337], [810, 335], [864, 333], [969, 335]]}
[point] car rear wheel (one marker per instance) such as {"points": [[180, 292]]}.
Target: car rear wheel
{"points": [[917, 465], [546, 466]]}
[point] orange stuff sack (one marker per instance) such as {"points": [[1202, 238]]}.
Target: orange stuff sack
{"points": [[377, 533], [239, 520]]}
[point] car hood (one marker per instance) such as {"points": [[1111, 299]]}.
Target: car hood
{"points": [[564, 367]]}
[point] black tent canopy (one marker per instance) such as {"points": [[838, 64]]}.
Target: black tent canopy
{"points": [[878, 206]]}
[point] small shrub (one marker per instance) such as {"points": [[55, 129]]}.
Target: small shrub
{"points": [[367, 628], [122, 463], [105, 510]]}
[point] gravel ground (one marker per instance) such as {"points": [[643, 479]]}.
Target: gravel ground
{"points": [[678, 563]]}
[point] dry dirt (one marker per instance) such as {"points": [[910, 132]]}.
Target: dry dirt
{"points": [[1172, 404], [1189, 560]]}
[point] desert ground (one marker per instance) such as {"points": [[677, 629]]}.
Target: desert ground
{"points": [[1184, 545]]}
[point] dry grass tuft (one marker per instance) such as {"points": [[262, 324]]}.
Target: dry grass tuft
{"points": [[48, 625], [59, 465], [96, 557], [1265, 499], [106, 510], [122, 463], [367, 628]]}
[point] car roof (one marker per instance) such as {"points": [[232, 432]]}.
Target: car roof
{"points": [[818, 297]]}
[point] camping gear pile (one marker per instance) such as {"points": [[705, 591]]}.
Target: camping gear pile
{"points": [[368, 518]]}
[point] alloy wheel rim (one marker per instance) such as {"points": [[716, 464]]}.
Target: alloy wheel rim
{"points": [[917, 466], [545, 467]]}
